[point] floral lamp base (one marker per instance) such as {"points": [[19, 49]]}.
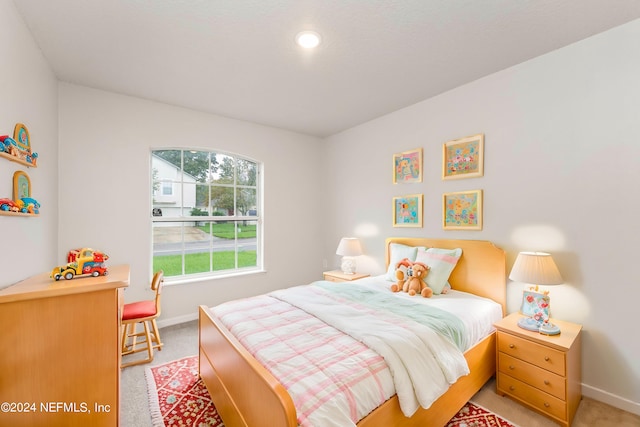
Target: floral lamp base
{"points": [[548, 328], [348, 265], [531, 324]]}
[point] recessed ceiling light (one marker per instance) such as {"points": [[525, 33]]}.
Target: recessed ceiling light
{"points": [[308, 39]]}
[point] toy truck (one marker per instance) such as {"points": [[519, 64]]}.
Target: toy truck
{"points": [[82, 262]]}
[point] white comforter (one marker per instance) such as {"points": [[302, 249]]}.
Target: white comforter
{"points": [[422, 362]]}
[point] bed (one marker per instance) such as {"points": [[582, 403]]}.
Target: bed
{"points": [[247, 394]]}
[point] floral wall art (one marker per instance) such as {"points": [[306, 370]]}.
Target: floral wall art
{"points": [[407, 211], [463, 158], [407, 166], [462, 210]]}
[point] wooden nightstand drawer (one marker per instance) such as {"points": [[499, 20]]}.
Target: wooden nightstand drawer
{"points": [[532, 396], [536, 354], [539, 378]]}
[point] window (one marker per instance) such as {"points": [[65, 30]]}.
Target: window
{"points": [[167, 189], [205, 213]]}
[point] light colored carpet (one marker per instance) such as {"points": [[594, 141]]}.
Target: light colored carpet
{"points": [[182, 340]]}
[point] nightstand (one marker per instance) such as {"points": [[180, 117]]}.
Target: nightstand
{"points": [[541, 372], [339, 276]]}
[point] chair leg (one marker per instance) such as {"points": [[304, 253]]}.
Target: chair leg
{"points": [[133, 335], [156, 335], [131, 332], [147, 334], [123, 338], [129, 338]]}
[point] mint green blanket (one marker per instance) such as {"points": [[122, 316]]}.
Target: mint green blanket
{"points": [[441, 321]]}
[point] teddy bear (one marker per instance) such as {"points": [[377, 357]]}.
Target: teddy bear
{"points": [[416, 284], [403, 271]]}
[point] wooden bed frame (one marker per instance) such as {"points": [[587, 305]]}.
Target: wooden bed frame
{"points": [[247, 395]]}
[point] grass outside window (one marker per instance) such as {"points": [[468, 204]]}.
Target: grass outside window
{"points": [[198, 263]]}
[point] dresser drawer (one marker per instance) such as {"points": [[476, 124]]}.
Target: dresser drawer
{"points": [[547, 358], [539, 378], [532, 396], [333, 279]]}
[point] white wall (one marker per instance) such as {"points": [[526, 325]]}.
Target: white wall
{"points": [[105, 142], [28, 91], [561, 175]]}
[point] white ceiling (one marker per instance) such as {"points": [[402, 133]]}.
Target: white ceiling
{"points": [[237, 58]]}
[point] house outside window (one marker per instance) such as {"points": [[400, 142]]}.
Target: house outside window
{"points": [[205, 213]]}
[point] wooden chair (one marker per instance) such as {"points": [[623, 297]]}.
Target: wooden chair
{"points": [[144, 312]]}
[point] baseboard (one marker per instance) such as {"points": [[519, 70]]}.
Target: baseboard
{"points": [[162, 323], [611, 399]]}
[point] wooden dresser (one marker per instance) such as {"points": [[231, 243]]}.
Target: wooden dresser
{"points": [[59, 350], [541, 372]]}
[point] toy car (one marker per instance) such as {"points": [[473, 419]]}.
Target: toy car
{"points": [[10, 146], [82, 262], [9, 205], [31, 205]]}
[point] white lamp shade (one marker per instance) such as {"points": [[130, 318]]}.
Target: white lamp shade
{"points": [[349, 246], [535, 268]]}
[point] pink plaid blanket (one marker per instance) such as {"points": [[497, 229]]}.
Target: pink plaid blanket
{"points": [[341, 353], [330, 376]]}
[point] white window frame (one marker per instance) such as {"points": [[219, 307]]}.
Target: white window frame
{"points": [[182, 219]]}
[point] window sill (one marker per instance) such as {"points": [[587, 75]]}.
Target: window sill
{"points": [[168, 281]]}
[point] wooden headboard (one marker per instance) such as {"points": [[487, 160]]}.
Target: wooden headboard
{"points": [[481, 270]]}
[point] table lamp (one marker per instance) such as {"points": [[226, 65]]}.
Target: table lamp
{"points": [[349, 248], [537, 268]]}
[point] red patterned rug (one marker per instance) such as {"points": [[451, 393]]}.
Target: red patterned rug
{"points": [[472, 415], [177, 397]]}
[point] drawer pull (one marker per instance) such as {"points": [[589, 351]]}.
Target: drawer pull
{"points": [[512, 367], [512, 346], [511, 388], [546, 382], [546, 358], [546, 405]]}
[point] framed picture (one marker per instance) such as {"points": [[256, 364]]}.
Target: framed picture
{"points": [[462, 210], [21, 136], [407, 211], [21, 185], [535, 305], [407, 166], [463, 158]]}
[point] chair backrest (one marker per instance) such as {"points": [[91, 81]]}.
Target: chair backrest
{"points": [[156, 285]]}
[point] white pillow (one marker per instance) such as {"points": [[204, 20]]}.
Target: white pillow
{"points": [[441, 263], [398, 253]]}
